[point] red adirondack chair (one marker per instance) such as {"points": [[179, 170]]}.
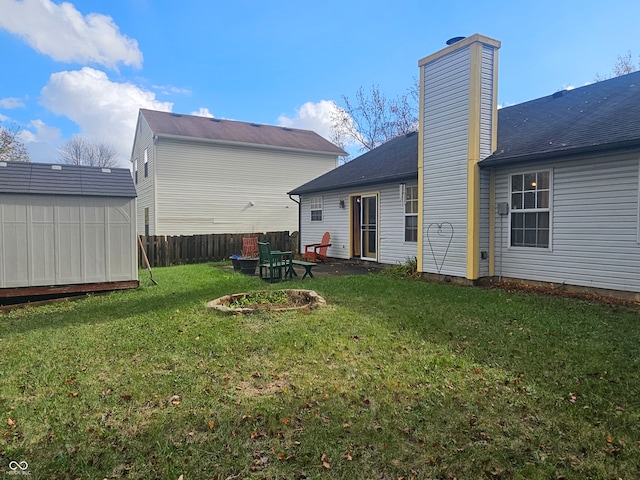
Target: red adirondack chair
{"points": [[317, 251], [250, 247]]}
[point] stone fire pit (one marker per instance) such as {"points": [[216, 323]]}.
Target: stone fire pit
{"points": [[271, 300]]}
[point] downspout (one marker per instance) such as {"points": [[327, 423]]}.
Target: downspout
{"points": [[299, 221]]}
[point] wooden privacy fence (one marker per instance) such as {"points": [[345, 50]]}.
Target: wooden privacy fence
{"points": [[164, 251]]}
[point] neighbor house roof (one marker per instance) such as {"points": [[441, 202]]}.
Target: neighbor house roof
{"points": [[216, 129], [603, 115], [44, 178], [395, 160]]}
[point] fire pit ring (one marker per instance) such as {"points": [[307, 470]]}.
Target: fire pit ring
{"points": [[295, 300]]}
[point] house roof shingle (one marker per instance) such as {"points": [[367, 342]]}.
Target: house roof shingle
{"points": [[43, 178], [395, 160], [174, 124], [599, 116], [604, 114]]}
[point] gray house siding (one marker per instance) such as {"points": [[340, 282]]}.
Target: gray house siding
{"points": [[392, 248], [487, 100], [594, 225], [445, 135], [335, 220], [485, 225]]}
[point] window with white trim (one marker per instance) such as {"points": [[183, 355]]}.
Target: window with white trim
{"points": [[135, 169], [411, 214], [316, 209], [146, 163], [530, 209]]}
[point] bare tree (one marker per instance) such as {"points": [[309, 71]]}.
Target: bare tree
{"points": [[11, 148], [80, 151], [373, 119], [624, 64]]}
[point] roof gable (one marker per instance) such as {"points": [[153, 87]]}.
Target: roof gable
{"points": [[43, 178], [215, 129]]}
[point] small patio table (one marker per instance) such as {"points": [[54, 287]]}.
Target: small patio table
{"points": [[287, 262]]}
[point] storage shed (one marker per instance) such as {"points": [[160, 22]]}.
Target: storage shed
{"points": [[66, 229]]}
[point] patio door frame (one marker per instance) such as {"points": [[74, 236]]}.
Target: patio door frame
{"points": [[362, 232]]}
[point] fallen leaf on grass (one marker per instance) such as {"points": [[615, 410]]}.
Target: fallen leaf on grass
{"points": [[347, 455], [211, 424], [325, 461], [12, 424]]}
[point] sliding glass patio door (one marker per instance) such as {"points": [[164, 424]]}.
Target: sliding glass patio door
{"points": [[369, 227]]}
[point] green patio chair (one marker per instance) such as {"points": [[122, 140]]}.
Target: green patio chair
{"points": [[273, 263]]}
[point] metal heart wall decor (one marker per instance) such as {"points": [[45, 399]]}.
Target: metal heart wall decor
{"points": [[440, 235]]}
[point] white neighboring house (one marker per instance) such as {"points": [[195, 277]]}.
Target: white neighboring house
{"points": [[199, 175]]}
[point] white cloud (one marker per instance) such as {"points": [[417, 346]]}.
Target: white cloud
{"points": [[43, 133], [312, 116], [171, 90], [11, 102], [203, 112], [41, 141], [64, 34], [104, 110]]}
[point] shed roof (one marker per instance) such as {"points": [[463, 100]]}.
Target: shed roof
{"points": [[175, 124], [603, 115], [50, 179], [395, 160]]}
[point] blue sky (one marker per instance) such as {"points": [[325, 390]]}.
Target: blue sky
{"points": [[85, 67]]}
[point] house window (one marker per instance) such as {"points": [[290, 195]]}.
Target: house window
{"points": [[530, 209], [411, 214], [146, 222], [146, 163], [135, 170], [316, 209]]}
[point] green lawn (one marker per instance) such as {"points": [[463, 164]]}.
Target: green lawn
{"points": [[395, 379]]}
